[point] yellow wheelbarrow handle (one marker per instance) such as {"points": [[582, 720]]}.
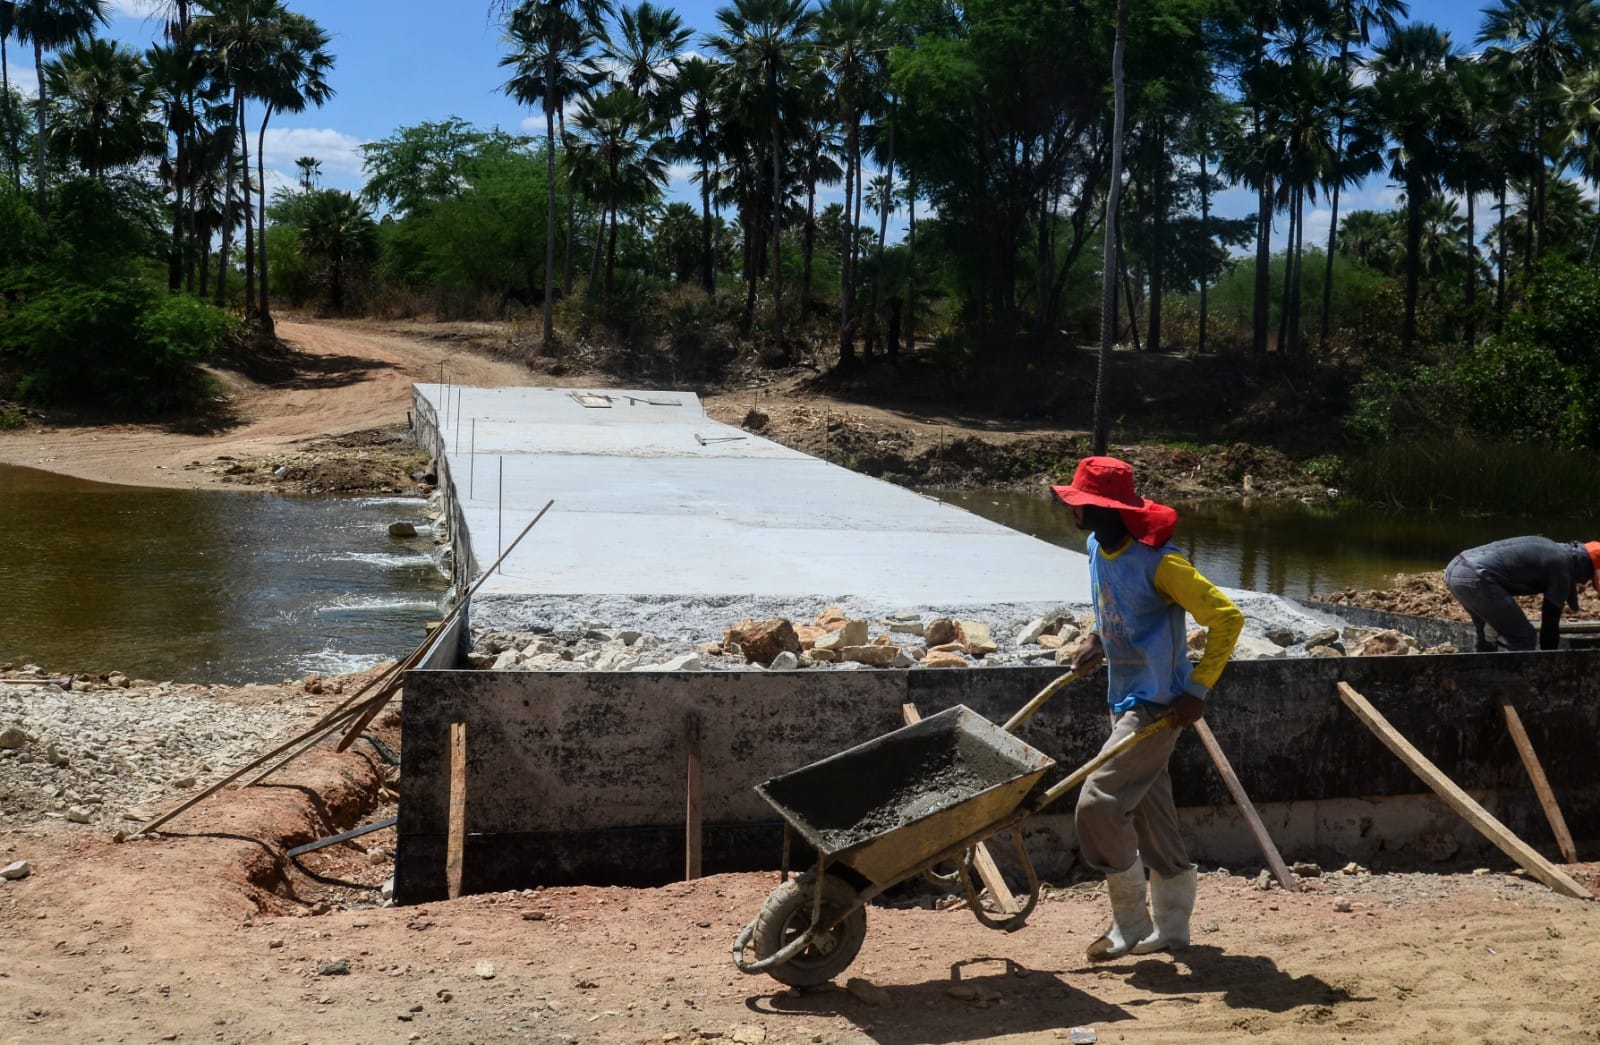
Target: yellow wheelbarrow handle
{"points": [[1081, 774]]}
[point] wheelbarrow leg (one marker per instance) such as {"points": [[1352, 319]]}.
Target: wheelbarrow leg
{"points": [[982, 859]]}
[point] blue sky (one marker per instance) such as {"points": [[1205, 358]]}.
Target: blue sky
{"points": [[403, 62]]}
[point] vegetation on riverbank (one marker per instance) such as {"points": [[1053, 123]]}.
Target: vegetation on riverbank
{"points": [[1383, 361]]}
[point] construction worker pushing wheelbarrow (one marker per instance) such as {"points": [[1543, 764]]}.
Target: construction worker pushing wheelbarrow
{"points": [[933, 792]]}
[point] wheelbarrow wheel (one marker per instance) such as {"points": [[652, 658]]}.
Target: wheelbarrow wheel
{"points": [[787, 914]]}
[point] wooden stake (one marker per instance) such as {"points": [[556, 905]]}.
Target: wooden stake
{"points": [[1459, 800], [1541, 784], [693, 839], [982, 859], [1280, 870], [456, 839]]}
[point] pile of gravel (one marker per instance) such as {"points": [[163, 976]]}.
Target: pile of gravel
{"points": [[114, 755], [624, 633]]}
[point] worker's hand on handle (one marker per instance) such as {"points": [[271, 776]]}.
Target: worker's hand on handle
{"points": [[1187, 710], [1088, 654]]}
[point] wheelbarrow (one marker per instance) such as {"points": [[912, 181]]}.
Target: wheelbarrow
{"points": [[889, 810]]}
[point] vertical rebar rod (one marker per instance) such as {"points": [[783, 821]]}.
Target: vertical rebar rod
{"points": [[458, 421], [500, 511], [472, 458]]}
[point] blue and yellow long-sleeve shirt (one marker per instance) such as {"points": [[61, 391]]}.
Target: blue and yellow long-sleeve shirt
{"points": [[1140, 597]]}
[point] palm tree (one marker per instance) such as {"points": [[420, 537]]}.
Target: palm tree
{"points": [[1354, 21], [310, 169], [242, 36], [100, 106], [339, 232], [766, 43], [646, 56], [550, 41], [1411, 94], [8, 25], [50, 25], [696, 142], [1108, 265], [621, 166], [293, 76], [1535, 44], [1476, 160], [852, 37]]}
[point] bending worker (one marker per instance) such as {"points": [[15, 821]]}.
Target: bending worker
{"points": [[1486, 579], [1142, 586]]}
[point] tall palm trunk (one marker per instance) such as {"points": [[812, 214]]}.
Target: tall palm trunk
{"points": [[707, 277], [1263, 284], [261, 191], [1158, 237], [1408, 329], [1500, 267], [12, 157], [1205, 238], [1108, 274], [1472, 269], [911, 260], [248, 211], [847, 277], [550, 209], [883, 223], [1333, 220], [808, 248], [572, 216], [41, 199], [777, 226]]}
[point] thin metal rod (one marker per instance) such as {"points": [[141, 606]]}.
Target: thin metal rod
{"points": [[500, 509], [344, 836], [472, 458]]}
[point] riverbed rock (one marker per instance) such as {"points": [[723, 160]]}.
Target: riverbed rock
{"points": [[402, 529], [12, 738], [1280, 636], [507, 660], [1324, 637], [785, 661], [975, 636], [1324, 652], [874, 656], [1250, 647], [16, 870], [939, 631], [818, 656], [1032, 632], [848, 633], [808, 634], [1388, 643], [944, 659], [761, 641]]}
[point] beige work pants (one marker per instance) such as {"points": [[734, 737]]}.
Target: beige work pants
{"points": [[1125, 809]]}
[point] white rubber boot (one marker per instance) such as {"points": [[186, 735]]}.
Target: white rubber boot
{"points": [[1172, 901], [1130, 918]]}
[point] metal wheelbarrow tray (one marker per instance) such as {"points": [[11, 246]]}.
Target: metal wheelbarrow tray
{"points": [[888, 807]]}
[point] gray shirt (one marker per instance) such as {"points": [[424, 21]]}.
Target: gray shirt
{"points": [[1534, 566]]}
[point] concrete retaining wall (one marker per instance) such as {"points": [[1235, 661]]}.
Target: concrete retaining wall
{"points": [[581, 776]]}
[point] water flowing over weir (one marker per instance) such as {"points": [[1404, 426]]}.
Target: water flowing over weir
{"points": [[667, 520]]}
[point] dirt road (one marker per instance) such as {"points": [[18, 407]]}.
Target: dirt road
{"points": [[339, 378]]}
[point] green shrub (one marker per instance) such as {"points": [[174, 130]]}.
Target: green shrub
{"points": [[120, 343]]}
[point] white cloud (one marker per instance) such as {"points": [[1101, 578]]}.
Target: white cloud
{"points": [[338, 151], [26, 80], [135, 8]]}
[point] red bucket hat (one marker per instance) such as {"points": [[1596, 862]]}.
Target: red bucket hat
{"points": [[1106, 482]]}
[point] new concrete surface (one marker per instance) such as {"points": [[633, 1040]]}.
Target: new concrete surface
{"points": [[654, 498]]}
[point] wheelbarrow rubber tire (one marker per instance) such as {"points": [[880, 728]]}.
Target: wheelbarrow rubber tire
{"points": [[787, 914]]}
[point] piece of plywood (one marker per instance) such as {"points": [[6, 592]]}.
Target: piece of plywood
{"points": [[456, 833], [982, 859], [1541, 783], [1269, 849], [1459, 800]]}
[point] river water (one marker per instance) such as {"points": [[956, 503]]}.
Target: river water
{"points": [[207, 586], [218, 586], [1287, 549]]}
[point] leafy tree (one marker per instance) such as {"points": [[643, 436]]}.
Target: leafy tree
{"points": [[696, 141], [617, 162], [425, 163], [310, 169]]}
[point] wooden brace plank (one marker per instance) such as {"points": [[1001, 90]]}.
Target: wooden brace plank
{"points": [[1541, 783], [982, 859], [693, 837], [1269, 849], [1459, 800], [456, 838]]}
